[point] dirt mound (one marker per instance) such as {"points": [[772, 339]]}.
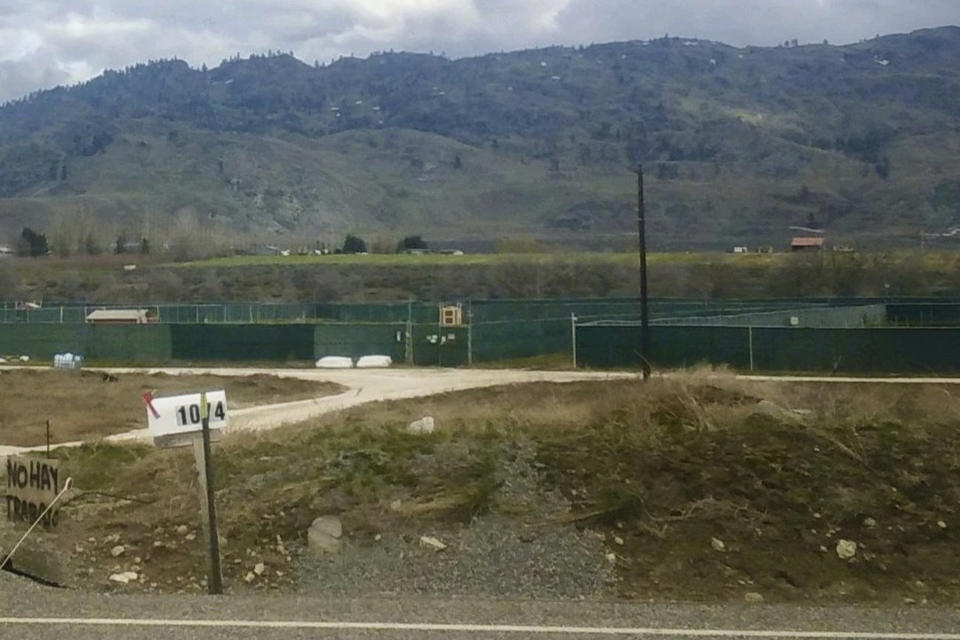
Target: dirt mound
{"points": [[674, 489]]}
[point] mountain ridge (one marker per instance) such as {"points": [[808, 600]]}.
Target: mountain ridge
{"points": [[739, 143]]}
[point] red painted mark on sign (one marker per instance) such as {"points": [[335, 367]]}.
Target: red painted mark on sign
{"points": [[148, 398]]}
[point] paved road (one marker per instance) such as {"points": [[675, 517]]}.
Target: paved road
{"points": [[28, 611]]}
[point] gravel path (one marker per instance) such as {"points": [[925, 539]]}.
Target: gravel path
{"points": [[364, 385], [494, 555]]}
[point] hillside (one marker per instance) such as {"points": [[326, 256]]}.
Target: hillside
{"points": [[739, 144]]}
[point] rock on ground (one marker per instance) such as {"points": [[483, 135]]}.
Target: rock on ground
{"points": [[422, 426], [324, 535], [846, 549]]}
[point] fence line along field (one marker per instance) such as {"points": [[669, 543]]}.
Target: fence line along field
{"points": [[862, 335], [88, 405]]}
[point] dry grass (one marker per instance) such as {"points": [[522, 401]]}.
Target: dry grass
{"points": [[664, 465], [83, 405]]}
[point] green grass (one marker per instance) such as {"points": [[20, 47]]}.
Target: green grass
{"points": [[429, 260]]}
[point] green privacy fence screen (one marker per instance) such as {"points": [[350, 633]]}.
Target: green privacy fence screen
{"points": [[355, 340], [117, 343], [814, 335], [250, 343], [860, 350]]}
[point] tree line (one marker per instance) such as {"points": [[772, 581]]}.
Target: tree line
{"points": [[34, 244]]}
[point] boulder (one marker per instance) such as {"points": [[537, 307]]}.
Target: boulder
{"points": [[329, 525], [846, 549], [422, 426], [324, 535]]}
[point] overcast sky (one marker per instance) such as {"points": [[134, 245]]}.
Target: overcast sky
{"points": [[48, 42]]}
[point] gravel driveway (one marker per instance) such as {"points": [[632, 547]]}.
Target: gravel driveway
{"points": [[364, 385]]}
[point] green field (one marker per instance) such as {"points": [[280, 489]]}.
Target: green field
{"points": [[383, 277], [430, 260]]}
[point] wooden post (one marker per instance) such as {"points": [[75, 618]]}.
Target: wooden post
{"points": [[408, 346], [208, 511], [644, 308], [201, 483], [469, 338]]}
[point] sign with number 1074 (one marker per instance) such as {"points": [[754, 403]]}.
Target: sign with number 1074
{"points": [[182, 414], [189, 414]]}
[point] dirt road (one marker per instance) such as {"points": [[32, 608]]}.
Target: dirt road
{"points": [[364, 385], [374, 385]]}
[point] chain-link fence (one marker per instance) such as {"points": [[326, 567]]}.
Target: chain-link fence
{"points": [[429, 334]]}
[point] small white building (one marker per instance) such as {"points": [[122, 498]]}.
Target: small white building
{"points": [[119, 316]]}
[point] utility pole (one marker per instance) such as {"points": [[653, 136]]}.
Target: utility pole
{"points": [[644, 309]]}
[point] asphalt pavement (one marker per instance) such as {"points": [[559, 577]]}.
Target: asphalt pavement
{"points": [[39, 613]]}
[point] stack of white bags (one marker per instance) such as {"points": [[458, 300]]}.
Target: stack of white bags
{"points": [[67, 361], [365, 362]]}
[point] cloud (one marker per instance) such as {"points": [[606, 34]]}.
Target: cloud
{"points": [[46, 42], [756, 22]]}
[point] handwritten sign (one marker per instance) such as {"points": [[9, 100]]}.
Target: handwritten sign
{"points": [[168, 418], [32, 484]]}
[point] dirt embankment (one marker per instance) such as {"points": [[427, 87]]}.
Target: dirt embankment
{"points": [[692, 489], [83, 405]]}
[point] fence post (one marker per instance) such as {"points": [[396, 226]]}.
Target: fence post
{"points": [[750, 344], [408, 346], [573, 338], [469, 338]]}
